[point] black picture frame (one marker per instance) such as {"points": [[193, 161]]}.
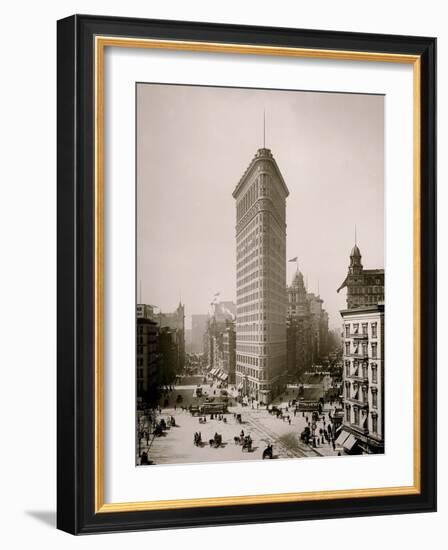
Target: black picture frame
{"points": [[76, 512]]}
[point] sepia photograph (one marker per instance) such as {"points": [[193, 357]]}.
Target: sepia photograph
{"points": [[260, 273]]}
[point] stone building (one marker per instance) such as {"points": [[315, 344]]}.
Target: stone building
{"points": [[364, 286], [160, 351], [261, 279], [363, 359], [307, 328], [198, 330], [147, 360], [220, 342], [176, 322], [229, 353], [298, 330]]}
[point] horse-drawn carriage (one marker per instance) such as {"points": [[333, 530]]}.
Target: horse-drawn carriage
{"points": [[247, 444], [216, 441], [158, 430], [275, 411], [245, 441], [305, 435]]}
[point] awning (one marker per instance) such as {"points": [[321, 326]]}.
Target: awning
{"points": [[224, 376], [349, 443], [240, 386], [343, 436]]}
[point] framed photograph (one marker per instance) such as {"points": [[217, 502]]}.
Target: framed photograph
{"points": [[246, 274]]}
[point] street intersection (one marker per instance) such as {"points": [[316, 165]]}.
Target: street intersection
{"points": [[176, 445]]}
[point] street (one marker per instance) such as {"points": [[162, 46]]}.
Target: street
{"points": [[176, 445]]}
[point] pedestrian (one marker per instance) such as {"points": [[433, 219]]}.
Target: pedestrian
{"points": [[334, 444], [289, 420]]}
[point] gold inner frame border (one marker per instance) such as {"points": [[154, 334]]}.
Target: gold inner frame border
{"points": [[100, 43]]}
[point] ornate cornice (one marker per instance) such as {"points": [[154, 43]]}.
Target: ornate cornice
{"points": [[263, 161]]}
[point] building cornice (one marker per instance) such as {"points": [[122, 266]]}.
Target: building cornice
{"points": [[262, 155], [376, 308]]}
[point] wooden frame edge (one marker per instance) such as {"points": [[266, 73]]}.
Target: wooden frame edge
{"points": [[100, 507]]}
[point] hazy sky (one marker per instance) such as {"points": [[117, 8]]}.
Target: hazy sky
{"points": [[193, 145]]}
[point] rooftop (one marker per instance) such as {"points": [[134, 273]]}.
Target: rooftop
{"points": [[262, 154]]}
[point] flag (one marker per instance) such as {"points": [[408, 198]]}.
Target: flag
{"points": [[293, 259]]}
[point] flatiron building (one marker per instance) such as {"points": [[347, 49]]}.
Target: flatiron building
{"points": [[261, 279]]}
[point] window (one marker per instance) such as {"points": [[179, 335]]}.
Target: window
{"points": [[347, 368], [356, 328], [374, 373], [374, 350], [364, 394], [364, 370], [364, 348], [356, 416], [364, 329], [347, 348], [374, 423], [374, 330], [374, 398], [347, 331]]}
